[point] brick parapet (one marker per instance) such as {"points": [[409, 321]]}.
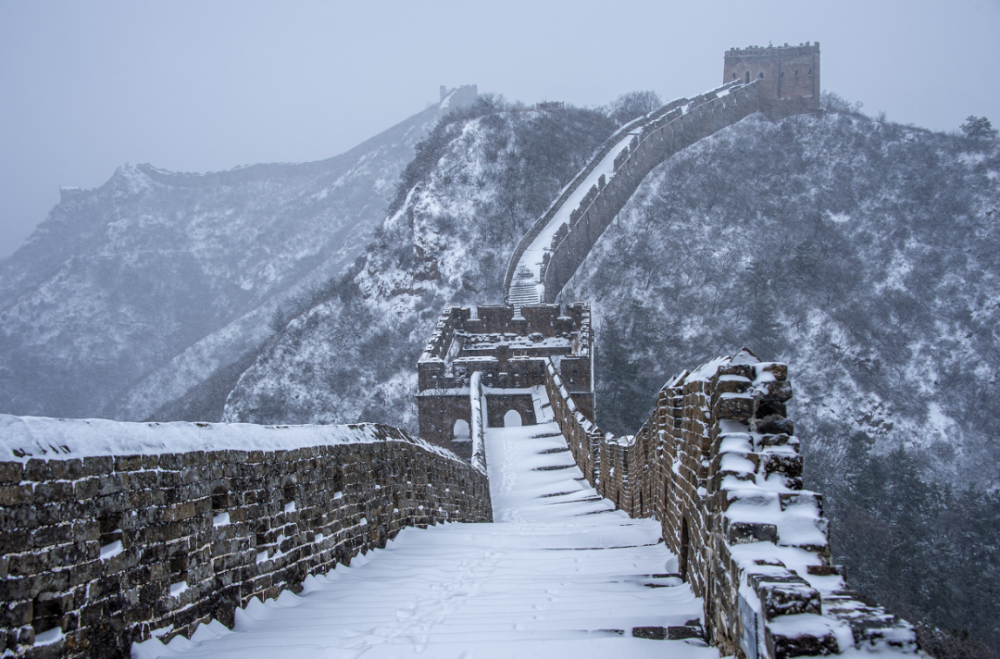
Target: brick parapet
{"points": [[718, 464], [101, 551]]}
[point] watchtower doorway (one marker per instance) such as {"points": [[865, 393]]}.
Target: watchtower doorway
{"points": [[512, 419]]}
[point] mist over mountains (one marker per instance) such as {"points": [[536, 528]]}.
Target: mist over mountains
{"points": [[482, 177], [156, 289]]}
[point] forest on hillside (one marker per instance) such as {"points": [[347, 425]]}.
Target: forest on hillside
{"points": [[862, 253]]}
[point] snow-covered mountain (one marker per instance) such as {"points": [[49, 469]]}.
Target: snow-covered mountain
{"points": [[147, 296], [861, 252], [475, 186]]}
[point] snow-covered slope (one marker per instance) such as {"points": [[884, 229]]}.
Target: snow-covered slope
{"points": [[864, 254], [861, 252], [477, 183], [131, 294]]}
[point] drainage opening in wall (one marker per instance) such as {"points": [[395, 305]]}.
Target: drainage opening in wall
{"points": [[220, 499], [220, 508], [684, 549], [48, 617], [112, 537], [261, 533], [178, 572]]}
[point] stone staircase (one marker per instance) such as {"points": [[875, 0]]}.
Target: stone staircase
{"points": [[524, 290]]}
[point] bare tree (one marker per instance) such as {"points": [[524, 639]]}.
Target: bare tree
{"points": [[633, 105]]}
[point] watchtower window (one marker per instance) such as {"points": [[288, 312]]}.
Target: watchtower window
{"points": [[796, 73], [761, 75], [748, 77], [734, 76]]}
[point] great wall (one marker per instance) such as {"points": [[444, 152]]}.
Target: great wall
{"points": [[120, 533]]}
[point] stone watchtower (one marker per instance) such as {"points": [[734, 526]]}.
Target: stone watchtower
{"points": [[510, 348], [789, 76]]}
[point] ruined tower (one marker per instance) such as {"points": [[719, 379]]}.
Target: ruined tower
{"points": [[789, 76]]}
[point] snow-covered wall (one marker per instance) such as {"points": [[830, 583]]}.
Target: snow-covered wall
{"points": [[507, 348], [116, 532], [718, 464], [663, 135]]}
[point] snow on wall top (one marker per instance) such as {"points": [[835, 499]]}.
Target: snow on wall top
{"points": [[25, 437]]}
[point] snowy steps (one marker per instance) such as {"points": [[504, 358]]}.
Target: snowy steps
{"points": [[524, 290], [559, 573]]}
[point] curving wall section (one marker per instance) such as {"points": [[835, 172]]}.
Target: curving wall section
{"points": [[114, 532], [676, 129], [570, 188]]}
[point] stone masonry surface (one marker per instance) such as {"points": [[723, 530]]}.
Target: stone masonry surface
{"points": [[100, 549], [685, 122], [718, 465]]}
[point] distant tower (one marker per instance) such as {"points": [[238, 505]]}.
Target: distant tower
{"points": [[789, 75]]}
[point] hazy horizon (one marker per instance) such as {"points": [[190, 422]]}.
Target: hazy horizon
{"points": [[187, 86]]}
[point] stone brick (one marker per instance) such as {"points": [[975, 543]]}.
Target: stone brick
{"points": [[98, 465], [128, 462], [179, 512], [14, 540], [788, 598], [745, 532], [11, 472], [777, 463], [777, 370], [86, 488], [15, 495], [783, 647], [54, 491], [52, 535]]}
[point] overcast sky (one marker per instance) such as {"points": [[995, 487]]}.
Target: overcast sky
{"points": [[208, 85]]}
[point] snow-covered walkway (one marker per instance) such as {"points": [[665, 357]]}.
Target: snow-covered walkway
{"points": [[527, 287], [560, 574]]}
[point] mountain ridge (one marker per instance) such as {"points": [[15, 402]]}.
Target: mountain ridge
{"points": [[130, 294]]}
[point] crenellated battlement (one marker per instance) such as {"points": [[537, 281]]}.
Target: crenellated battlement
{"points": [[718, 464]]}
